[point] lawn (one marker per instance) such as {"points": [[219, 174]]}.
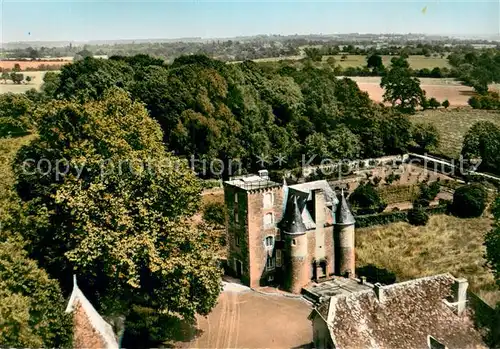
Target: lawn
{"points": [[453, 124], [445, 244], [36, 83]]}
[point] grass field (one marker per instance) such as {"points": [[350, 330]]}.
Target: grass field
{"points": [[416, 62], [36, 83], [445, 244], [453, 124]]}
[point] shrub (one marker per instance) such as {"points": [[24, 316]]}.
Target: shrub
{"points": [[469, 201], [366, 200], [210, 183], [374, 274], [214, 213], [434, 103], [445, 104], [429, 191], [381, 218], [418, 216], [426, 136]]}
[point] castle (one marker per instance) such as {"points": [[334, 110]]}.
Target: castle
{"points": [[287, 235]]}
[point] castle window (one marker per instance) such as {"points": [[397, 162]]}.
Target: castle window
{"points": [[269, 241], [236, 198], [236, 218], [294, 242], [268, 200], [270, 264], [278, 258], [268, 220], [237, 240]]}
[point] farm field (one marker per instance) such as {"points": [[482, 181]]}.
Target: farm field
{"points": [[445, 244], [441, 89], [416, 62], [32, 64], [36, 83], [453, 124]]}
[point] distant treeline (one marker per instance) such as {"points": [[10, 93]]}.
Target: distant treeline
{"points": [[248, 49]]}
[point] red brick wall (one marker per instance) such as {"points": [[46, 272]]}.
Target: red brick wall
{"points": [[257, 232]]}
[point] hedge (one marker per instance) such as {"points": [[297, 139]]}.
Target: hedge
{"points": [[395, 216]]}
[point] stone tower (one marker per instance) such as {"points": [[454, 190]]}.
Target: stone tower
{"points": [[293, 232], [344, 239]]}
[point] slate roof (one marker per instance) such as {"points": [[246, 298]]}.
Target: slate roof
{"points": [[344, 215], [292, 222], [79, 303], [308, 187], [410, 312]]}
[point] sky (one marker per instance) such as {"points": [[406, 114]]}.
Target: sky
{"points": [[112, 20]]}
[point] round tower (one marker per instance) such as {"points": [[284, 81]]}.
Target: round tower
{"points": [[345, 252], [293, 232]]}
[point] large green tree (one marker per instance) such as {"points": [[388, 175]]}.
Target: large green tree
{"points": [[483, 141], [31, 304], [401, 89], [105, 200]]}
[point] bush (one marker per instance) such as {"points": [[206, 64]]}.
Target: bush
{"points": [[418, 216], [381, 218], [215, 213], [366, 200], [434, 103], [374, 274], [469, 201], [210, 183], [490, 101], [445, 104]]}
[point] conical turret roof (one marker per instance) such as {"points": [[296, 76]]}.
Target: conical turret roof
{"points": [[292, 222], [344, 215]]}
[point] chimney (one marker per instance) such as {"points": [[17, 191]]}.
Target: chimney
{"points": [[319, 207], [264, 174], [379, 292], [362, 280], [460, 294]]}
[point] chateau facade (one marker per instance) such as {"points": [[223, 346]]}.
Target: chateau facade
{"points": [[287, 235]]}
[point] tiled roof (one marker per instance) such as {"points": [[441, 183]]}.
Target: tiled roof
{"points": [[409, 313], [84, 309]]}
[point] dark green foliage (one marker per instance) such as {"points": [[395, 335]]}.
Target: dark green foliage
{"points": [[483, 141], [366, 200], [31, 305], [469, 201], [313, 53], [14, 114], [16, 78], [488, 101], [215, 213], [375, 274], [426, 136], [211, 110], [434, 103], [429, 191], [401, 89], [418, 216], [445, 104]]}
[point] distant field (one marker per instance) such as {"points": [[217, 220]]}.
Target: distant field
{"points": [[416, 62], [36, 83], [445, 244], [31, 64], [441, 89], [452, 125]]}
